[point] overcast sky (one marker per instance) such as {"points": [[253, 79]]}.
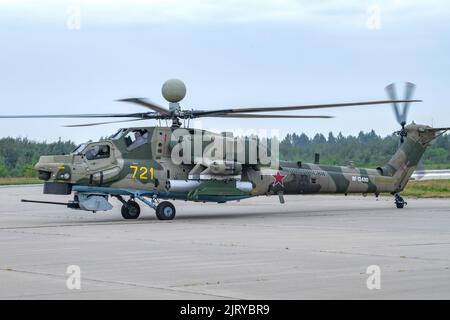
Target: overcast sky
{"points": [[79, 56]]}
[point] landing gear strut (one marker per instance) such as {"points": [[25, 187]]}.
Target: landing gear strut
{"points": [[164, 210], [131, 210], [399, 201]]}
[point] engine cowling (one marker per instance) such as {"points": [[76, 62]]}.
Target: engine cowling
{"points": [[224, 167]]}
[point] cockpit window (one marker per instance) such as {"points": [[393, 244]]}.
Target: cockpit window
{"points": [[98, 152], [78, 149], [118, 134], [136, 138]]}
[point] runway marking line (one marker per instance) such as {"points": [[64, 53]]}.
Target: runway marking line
{"points": [[121, 283]]}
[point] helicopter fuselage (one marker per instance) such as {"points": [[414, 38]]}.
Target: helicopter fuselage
{"points": [[139, 162]]}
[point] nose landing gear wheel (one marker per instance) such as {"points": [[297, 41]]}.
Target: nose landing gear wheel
{"points": [[165, 211], [130, 210]]}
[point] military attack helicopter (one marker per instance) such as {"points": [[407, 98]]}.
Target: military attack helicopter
{"points": [[155, 163]]}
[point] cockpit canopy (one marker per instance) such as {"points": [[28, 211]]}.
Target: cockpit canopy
{"points": [[133, 138], [93, 152], [96, 152], [136, 138]]}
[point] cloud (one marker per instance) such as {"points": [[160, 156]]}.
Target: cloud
{"points": [[337, 12]]}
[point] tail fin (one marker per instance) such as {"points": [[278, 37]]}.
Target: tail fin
{"points": [[404, 161]]}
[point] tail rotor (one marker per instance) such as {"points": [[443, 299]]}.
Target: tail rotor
{"points": [[401, 113]]}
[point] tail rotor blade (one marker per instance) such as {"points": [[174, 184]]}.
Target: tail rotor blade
{"points": [[390, 90], [409, 91]]}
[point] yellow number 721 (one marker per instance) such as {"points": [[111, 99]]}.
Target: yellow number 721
{"points": [[144, 173]]}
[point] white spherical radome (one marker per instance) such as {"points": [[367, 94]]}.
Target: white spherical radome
{"points": [[173, 90]]}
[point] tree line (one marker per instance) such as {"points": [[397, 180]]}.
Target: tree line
{"points": [[364, 150], [19, 155]]}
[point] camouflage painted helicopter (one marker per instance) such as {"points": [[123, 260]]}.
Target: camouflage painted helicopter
{"points": [[139, 163]]}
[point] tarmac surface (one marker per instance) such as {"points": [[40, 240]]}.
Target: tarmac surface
{"points": [[311, 247]]}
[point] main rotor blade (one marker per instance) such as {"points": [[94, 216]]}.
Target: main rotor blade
{"points": [[99, 123], [438, 129], [199, 113], [245, 115], [148, 104], [67, 116]]}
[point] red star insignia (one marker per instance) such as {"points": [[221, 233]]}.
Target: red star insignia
{"points": [[278, 178]]}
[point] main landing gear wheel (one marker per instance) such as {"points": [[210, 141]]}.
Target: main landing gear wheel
{"points": [[131, 210], [165, 211], [399, 201]]}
